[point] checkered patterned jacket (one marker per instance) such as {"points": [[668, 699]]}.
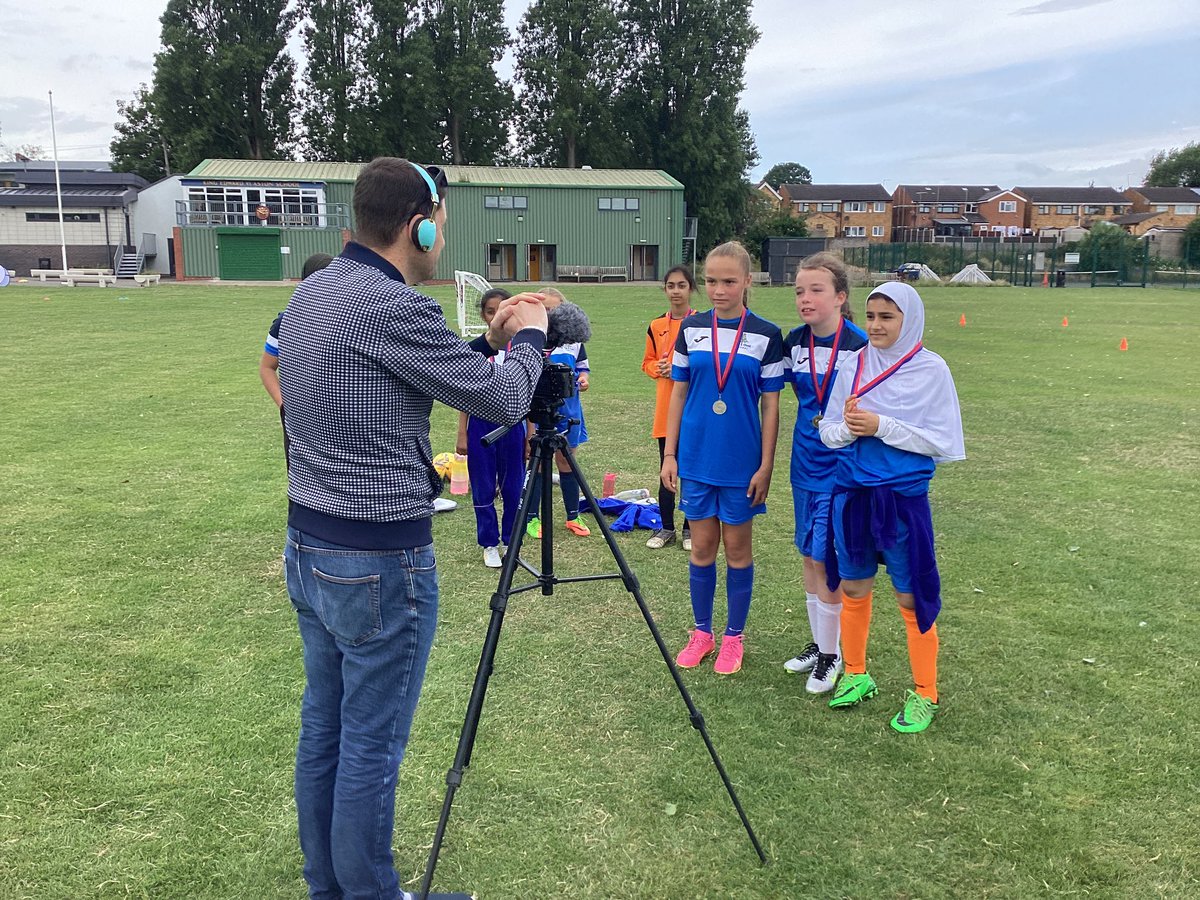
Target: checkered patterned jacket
{"points": [[362, 358]]}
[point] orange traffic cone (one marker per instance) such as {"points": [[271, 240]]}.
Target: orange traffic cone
{"points": [[962, 320], [1124, 344], [1046, 278], [1064, 321]]}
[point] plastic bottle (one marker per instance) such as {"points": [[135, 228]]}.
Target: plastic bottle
{"points": [[610, 484], [634, 495], [459, 483]]}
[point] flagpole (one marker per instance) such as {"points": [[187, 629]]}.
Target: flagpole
{"points": [[62, 228]]}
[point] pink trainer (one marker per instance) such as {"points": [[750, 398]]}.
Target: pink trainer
{"points": [[729, 660], [699, 645]]}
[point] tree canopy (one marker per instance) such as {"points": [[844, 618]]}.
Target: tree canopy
{"points": [[787, 173], [1179, 167], [568, 68]]}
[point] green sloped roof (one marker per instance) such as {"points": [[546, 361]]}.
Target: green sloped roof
{"points": [[289, 170]]}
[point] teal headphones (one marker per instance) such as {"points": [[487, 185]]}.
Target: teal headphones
{"points": [[424, 231]]}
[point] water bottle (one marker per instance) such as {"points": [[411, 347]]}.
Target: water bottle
{"points": [[610, 484], [459, 483], [634, 495]]}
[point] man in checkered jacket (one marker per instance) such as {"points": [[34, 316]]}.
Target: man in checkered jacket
{"points": [[363, 356]]}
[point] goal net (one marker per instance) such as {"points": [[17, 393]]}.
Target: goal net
{"points": [[469, 288]]}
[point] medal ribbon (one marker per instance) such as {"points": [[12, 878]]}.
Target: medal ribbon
{"points": [[821, 388], [723, 376], [879, 379]]}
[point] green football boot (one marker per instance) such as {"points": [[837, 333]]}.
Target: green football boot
{"points": [[853, 690], [918, 712]]}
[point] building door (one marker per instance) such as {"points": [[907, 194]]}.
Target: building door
{"points": [[502, 262], [249, 254], [643, 262], [542, 265]]}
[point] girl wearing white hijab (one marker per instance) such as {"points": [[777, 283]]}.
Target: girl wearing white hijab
{"points": [[892, 415]]}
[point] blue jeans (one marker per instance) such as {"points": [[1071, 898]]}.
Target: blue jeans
{"points": [[367, 619]]}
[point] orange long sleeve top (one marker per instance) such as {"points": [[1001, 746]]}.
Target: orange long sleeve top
{"points": [[660, 344]]}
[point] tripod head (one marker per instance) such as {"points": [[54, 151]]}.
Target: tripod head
{"points": [[556, 384]]}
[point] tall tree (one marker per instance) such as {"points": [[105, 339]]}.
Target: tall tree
{"points": [[468, 38], [1179, 167], [222, 85], [402, 83], [140, 145], [336, 125], [567, 64], [787, 173], [680, 103]]}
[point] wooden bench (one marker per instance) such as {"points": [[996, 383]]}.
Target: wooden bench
{"points": [[146, 278], [760, 278], [612, 272], [72, 278], [579, 272]]}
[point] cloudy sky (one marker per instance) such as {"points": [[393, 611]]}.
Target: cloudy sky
{"points": [[1012, 92]]}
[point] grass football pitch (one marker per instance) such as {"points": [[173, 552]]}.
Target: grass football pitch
{"points": [[150, 671]]}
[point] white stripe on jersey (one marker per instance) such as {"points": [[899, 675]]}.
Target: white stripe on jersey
{"points": [[752, 343]]}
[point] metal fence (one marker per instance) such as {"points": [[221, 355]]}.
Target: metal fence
{"points": [[1017, 262]]}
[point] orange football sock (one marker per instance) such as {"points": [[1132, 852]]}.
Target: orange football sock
{"points": [[856, 622], [922, 655]]}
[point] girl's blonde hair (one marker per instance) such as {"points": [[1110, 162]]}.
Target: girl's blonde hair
{"points": [[736, 251], [552, 292], [836, 268]]}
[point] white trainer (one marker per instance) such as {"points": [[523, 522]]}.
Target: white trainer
{"points": [[825, 673], [803, 661], [491, 557]]}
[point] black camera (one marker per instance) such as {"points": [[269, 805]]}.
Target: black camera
{"points": [[555, 385]]}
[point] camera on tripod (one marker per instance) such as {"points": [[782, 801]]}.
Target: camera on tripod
{"points": [[556, 384]]}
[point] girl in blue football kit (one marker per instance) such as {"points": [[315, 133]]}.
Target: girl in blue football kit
{"points": [[814, 356], [571, 410], [722, 426], [893, 414]]}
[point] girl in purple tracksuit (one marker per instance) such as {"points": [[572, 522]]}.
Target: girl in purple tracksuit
{"points": [[502, 464]]}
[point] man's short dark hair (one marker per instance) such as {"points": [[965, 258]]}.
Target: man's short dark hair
{"points": [[387, 194]]}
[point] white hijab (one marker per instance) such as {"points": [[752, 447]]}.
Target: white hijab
{"points": [[920, 393]]}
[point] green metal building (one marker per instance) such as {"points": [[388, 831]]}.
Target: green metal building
{"points": [[260, 219]]}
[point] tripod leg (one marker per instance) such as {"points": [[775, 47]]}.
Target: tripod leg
{"points": [[634, 588], [483, 672]]}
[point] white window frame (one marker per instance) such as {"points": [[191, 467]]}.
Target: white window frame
{"points": [[1185, 209], [876, 231], [880, 206], [1008, 206], [854, 231], [855, 206]]}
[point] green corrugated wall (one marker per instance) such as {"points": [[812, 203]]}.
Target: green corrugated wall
{"points": [[566, 217]]}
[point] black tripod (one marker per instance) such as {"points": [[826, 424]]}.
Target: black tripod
{"points": [[545, 442]]}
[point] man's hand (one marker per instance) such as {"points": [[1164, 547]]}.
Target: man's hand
{"points": [[582, 381], [517, 312], [664, 366]]}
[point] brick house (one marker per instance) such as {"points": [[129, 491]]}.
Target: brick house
{"points": [[923, 212], [1050, 210], [1163, 208], [1001, 214], [861, 211]]}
